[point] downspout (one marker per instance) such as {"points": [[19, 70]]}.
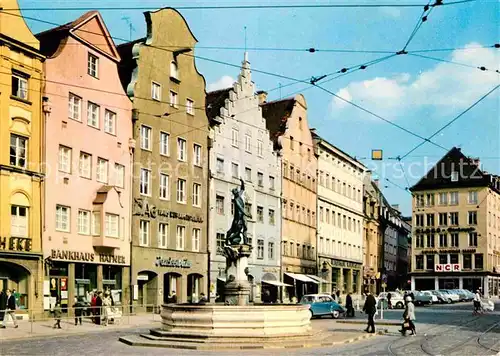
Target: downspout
{"points": [[281, 230], [46, 108], [132, 143], [209, 235]]}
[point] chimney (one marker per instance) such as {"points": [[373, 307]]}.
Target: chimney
{"points": [[395, 207], [475, 161], [262, 95]]}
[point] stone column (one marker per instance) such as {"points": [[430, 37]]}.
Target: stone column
{"points": [[436, 283], [359, 283], [71, 288], [125, 282], [99, 278], [349, 281], [461, 283], [340, 279], [412, 282]]}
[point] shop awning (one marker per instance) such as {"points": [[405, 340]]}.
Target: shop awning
{"points": [[316, 278], [301, 277], [277, 283]]}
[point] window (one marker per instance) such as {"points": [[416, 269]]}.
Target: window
{"points": [[271, 217], [248, 208], [19, 87], [93, 115], [454, 198], [174, 70], [197, 155], [93, 66], [196, 194], [419, 243], [473, 197], [220, 241], [196, 239], [454, 176], [260, 179], [467, 261], [271, 183], [430, 199], [164, 186], [472, 217], [219, 204], [260, 214], [220, 165], [248, 174], [443, 259], [454, 239], [64, 159], [174, 99], [162, 235], [119, 175], [234, 170], [478, 261], [248, 143], [454, 218], [84, 222], [181, 149], [270, 250], [102, 170], [19, 221], [419, 219], [145, 182], [234, 137], [419, 262], [18, 151], [453, 258], [146, 138], [62, 218], [443, 219], [110, 122], [155, 91], [260, 249], [430, 240], [96, 223], [111, 225], [321, 219], [180, 237], [144, 233], [181, 191], [430, 219], [74, 107], [419, 201], [473, 239], [430, 262], [443, 240], [260, 148], [164, 144], [291, 143]]}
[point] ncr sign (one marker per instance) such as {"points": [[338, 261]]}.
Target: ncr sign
{"points": [[449, 267]]}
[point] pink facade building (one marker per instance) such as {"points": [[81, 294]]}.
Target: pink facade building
{"points": [[88, 151]]}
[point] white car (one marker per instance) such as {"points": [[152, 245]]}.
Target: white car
{"points": [[397, 300], [434, 297], [453, 296]]}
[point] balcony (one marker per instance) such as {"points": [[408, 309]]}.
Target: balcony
{"points": [[105, 241]]}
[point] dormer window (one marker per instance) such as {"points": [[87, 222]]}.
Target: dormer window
{"points": [[93, 66], [174, 70]]}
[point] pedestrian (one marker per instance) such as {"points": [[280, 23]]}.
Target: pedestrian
{"points": [[389, 303], [93, 299], [370, 308], [203, 299], [106, 310], [78, 307], [338, 296], [477, 302], [349, 306], [10, 310], [98, 308], [409, 318], [3, 304], [57, 315], [173, 298]]}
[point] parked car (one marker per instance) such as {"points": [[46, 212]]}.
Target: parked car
{"points": [[397, 300], [453, 296], [434, 298], [420, 298], [321, 304], [461, 294], [469, 294], [465, 295], [442, 297]]}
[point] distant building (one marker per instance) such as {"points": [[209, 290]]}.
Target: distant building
{"points": [[373, 236], [340, 218], [286, 119], [456, 227], [242, 148]]}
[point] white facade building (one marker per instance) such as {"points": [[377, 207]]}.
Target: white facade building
{"points": [[242, 148], [340, 218]]}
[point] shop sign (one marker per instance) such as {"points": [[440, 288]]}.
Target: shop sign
{"points": [[449, 267], [144, 209], [338, 263], [271, 269], [20, 244], [171, 262], [86, 257]]}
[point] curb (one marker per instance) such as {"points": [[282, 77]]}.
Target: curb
{"points": [[363, 322]]}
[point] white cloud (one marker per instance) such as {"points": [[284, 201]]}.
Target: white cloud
{"points": [[391, 11], [446, 87], [224, 82]]}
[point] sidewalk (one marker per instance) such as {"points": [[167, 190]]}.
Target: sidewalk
{"points": [[44, 328]]}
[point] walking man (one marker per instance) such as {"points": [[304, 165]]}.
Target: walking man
{"points": [[370, 308], [11, 310], [409, 318]]}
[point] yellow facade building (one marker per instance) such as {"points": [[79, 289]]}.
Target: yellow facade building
{"points": [[21, 171]]}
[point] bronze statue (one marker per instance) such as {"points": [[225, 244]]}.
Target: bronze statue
{"points": [[237, 234]]}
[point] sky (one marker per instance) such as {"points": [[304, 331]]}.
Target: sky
{"points": [[418, 94]]}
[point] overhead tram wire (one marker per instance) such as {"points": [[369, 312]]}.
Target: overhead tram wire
{"points": [[481, 68], [496, 45], [450, 122]]}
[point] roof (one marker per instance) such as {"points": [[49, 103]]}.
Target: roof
{"points": [[276, 114], [214, 101], [440, 176]]}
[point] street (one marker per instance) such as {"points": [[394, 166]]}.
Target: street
{"points": [[442, 330]]}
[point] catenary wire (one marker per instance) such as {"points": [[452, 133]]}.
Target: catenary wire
{"points": [[481, 68], [419, 23]]}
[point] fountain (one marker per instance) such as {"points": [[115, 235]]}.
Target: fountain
{"points": [[236, 323]]}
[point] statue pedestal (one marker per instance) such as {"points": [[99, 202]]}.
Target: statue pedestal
{"points": [[237, 288]]}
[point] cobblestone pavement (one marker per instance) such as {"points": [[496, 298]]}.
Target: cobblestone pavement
{"points": [[442, 330]]}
